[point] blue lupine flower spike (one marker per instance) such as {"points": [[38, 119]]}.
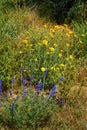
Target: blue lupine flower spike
{"points": [[12, 81], [25, 92], [39, 87], [31, 79], [22, 69], [11, 92], [0, 85], [61, 79], [53, 91], [45, 73], [24, 81], [60, 100]]}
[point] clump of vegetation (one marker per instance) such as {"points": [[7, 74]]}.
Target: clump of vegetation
{"points": [[26, 41], [59, 11], [34, 108]]}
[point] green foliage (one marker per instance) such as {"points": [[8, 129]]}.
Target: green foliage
{"points": [[59, 11], [9, 56], [38, 48], [81, 32], [29, 111], [61, 50]]}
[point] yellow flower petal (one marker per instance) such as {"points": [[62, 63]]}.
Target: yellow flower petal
{"points": [[60, 55], [67, 44], [25, 41], [51, 49], [71, 57], [43, 69], [45, 42], [62, 65]]}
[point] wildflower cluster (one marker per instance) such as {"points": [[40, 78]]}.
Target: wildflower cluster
{"points": [[26, 102], [39, 48]]}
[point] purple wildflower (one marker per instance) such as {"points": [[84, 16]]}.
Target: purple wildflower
{"points": [[31, 79], [61, 79], [22, 69], [53, 91], [60, 100], [39, 87], [45, 73], [12, 81], [12, 106], [25, 92], [10, 92], [24, 81], [0, 85]]}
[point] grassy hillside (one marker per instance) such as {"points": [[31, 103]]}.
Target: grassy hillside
{"points": [[43, 72]]}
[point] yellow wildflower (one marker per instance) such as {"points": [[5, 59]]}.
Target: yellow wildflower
{"points": [[55, 45], [70, 32], [67, 44], [62, 65], [43, 69], [51, 49], [25, 41], [75, 36], [65, 25], [31, 45], [83, 35], [44, 25], [45, 42], [51, 35], [67, 34], [20, 52], [61, 50], [80, 42], [71, 57], [60, 55], [52, 30], [53, 68], [57, 27]]}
